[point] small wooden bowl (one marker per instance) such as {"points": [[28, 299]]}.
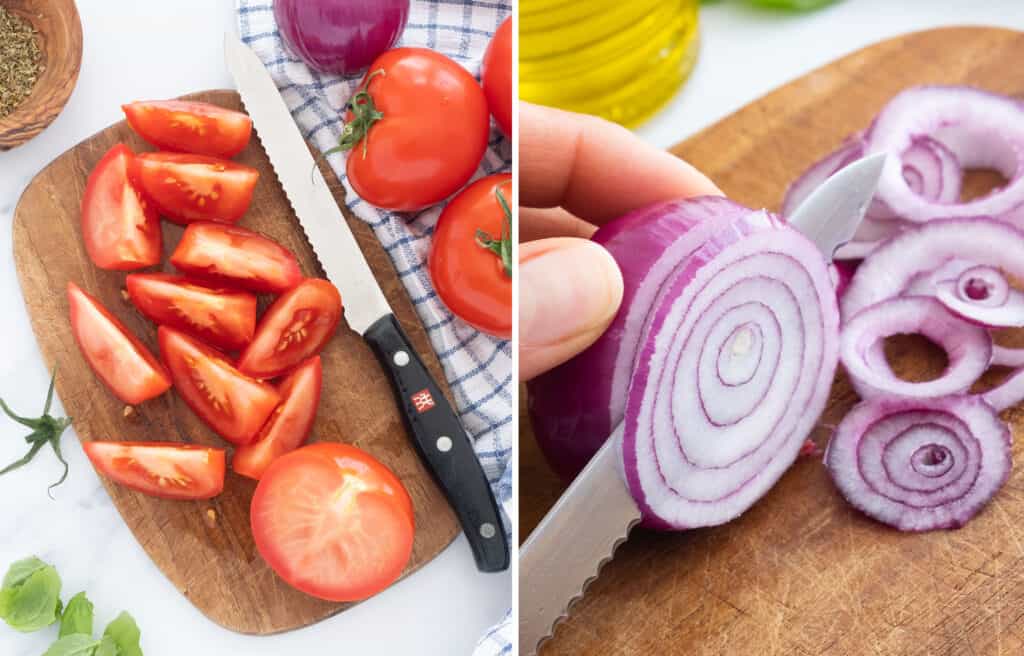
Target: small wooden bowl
{"points": [[60, 43]]}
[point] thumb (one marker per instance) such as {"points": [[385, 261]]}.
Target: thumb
{"points": [[569, 291]]}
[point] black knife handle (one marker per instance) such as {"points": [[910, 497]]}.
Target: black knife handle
{"points": [[442, 443]]}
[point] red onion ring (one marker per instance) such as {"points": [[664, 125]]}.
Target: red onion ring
{"points": [[908, 258], [981, 129], [735, 367], [1007, 357], [982, 295], [920, 465], [969, 348]]}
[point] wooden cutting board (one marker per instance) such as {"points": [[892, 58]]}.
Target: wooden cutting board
{"points": [[206, 548], [802, 572]]}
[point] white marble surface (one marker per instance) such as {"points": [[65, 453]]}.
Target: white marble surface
{"points": [[156, 49]]}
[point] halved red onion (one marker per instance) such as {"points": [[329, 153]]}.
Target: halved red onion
{"points": [[735, 367], [918, 464], [982, 295], [649, 245], [955, 244], [968, 347], [981, 130]]}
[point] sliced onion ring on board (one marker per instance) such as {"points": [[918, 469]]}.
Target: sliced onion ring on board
{"points": [[920, 465], [735, 367], [983, 296], [898, 262], [968, 346], [981, 129]]}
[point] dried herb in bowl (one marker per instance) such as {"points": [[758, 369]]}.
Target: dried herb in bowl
{"points": [[20, 60]]}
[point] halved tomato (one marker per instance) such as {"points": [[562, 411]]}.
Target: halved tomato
{"points": [[224, 318], [333, 522], [290, 424], [190, 126], [187, 188], [231, 403], [121, 361], [295, 327], [235, 256], [121, 230], [161, 469]]}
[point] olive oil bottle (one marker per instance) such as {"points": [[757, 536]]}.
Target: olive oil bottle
{"points": [[620, 59]]}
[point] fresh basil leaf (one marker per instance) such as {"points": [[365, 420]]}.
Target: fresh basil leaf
{"points": [[125, 634], [107, 647], [34, 603], [19, 572], [76, 644], [77, 616]]}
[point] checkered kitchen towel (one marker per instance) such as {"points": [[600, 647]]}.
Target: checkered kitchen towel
{"points": [[478, 367]]}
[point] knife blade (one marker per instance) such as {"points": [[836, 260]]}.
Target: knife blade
{"points": [[826, 215], [596, 512], [434, 427]]}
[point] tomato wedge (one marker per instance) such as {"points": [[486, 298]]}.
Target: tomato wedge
{"points": [[228, 401], [333, 522], [496, 74], [161, 469], [296, 326], [121, 361], [190, 126], [290, 424], [224, 318], [121, 230], [234, 256], [187, 188]]}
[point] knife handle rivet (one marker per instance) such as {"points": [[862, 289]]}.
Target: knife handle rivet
{"points": [[487, 530], [401, 358], [444, 444]]}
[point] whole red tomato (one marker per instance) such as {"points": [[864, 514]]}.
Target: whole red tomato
{"points": [[470, 257], [417, 130], [496, 72]]}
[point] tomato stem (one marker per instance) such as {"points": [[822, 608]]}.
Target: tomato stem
{"points": [[364, 115], [45, 430], [502, 246]]}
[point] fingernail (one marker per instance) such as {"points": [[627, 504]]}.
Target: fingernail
{"points": [[567, 291]]}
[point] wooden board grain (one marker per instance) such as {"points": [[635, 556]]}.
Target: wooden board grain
{"points": [[803, 573], [211, 558]]}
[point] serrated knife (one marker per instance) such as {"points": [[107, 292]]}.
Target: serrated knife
{"points": [[566, 551], [434, 427]]}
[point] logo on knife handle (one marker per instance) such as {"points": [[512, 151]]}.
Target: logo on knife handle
{"points": [[422, 400]]}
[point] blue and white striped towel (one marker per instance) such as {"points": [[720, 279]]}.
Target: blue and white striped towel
{"points": [[478, 367]]}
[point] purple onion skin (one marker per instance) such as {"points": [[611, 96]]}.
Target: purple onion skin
{"points": [[340, 36], [571, 407]]}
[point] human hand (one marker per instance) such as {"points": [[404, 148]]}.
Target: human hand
{"points": [[576, 173]]}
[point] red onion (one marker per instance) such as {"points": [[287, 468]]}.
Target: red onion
{"points": [[649, 245], [920, 465], [340, 36], [717, 365], [969, 347], [735, 367]]}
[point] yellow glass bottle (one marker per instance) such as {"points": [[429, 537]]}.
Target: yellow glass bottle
{"points": [[620, 59]]}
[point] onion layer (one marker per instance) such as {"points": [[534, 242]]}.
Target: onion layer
{"points": [[735, 367], [920, 465], [969, 347]]}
